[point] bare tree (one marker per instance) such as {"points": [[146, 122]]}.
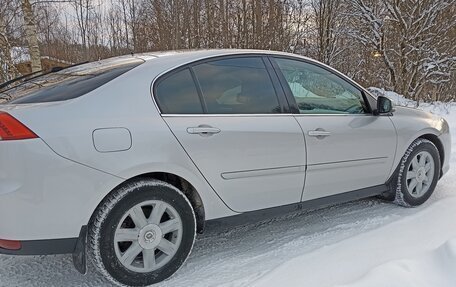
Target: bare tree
{"points": [[328, 16], [413, 44], [402, 45], [31, 35], [82, 9], [7, 67]]}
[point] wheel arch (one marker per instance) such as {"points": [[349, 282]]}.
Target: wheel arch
{"points": [[436, 141], [407, 137], [175, 180]]}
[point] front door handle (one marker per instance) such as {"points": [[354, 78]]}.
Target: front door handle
{"points": [[319, 133], [203, 130]]}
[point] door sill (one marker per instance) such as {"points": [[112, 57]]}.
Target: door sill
{"points": [[313, 204]]}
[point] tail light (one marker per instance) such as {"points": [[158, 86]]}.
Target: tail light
{"points": [[10, 244], [12, 129]]}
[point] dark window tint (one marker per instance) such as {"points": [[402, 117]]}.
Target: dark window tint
{"points": [[177, 94], [68, 83], [319, 91], [237, 86]]}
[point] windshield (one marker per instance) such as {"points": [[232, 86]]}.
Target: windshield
{"points": [[68, 83]]}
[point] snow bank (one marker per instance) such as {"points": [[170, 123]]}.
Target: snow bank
{"points": [[395, 97], [351, 259], [434, 268]]}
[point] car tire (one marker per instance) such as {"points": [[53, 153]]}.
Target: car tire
{"points": [[142, 233], [417, 174]]}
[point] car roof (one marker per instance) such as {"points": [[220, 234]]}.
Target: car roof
{"points": [[189, 55], [179, 57]]}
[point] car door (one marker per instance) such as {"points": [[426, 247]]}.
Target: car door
{"points": [[348, 148], [229, 118]]}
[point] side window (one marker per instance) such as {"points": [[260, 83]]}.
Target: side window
{"points": [[237, 86], [177, 94], [318, 91]]}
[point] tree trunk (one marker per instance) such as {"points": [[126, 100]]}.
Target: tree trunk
{"points": [[7, 68], [31, 36]]}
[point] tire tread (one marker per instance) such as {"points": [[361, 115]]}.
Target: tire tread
{"points": [[400, 198]]}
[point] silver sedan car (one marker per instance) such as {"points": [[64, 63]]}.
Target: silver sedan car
{"points": [[124, 160]]}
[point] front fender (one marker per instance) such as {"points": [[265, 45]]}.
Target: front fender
{"points": [[411, 124]]}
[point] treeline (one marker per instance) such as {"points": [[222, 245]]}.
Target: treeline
{"points": [[403, 45]]}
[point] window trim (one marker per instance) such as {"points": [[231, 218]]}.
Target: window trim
{"points": [[275, 82], [289, 94], [260, 115], [283, 102], [198, 90]]}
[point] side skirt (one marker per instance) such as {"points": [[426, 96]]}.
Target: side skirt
{"points": [[313, 204]]}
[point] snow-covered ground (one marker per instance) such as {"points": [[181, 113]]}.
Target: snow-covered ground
{"points": [[367, 243]]}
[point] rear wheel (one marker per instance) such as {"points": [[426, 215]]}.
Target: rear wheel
{"points": [[142, 233], [418, 173]]}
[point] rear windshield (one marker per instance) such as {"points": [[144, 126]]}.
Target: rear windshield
{"points": [[68, 83]]}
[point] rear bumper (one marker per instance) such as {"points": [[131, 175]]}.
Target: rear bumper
{"points": [[45, 197], [44, 247]]}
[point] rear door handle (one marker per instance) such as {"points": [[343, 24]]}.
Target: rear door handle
{"points": [[203, 130], [319, 133]]}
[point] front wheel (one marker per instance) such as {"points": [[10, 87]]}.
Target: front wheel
{"points": [[142, 233], [418, 173]]}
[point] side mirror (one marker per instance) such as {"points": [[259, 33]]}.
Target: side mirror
{"points": [[384, 106]]}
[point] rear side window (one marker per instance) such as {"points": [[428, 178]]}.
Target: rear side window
{"points": [[68, 83], [237, 86], [177, 94]]}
